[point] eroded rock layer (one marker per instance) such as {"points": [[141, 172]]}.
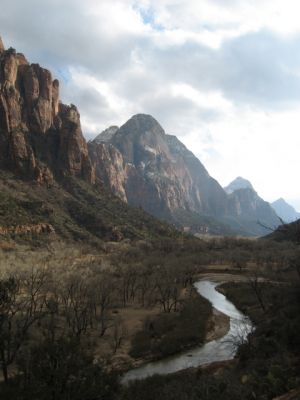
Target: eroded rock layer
{"points": [[157, 172], [39, 137]]}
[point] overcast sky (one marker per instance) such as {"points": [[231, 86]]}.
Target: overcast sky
{"points": [[222, 75]]}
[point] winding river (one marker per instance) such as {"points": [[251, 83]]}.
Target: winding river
{"points": [[215, 350]]}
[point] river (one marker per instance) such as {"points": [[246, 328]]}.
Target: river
{"points": [[216, 350]]}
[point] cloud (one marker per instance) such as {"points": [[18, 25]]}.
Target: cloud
{"points": [[222, 75], [118, 42], [257, 69]]}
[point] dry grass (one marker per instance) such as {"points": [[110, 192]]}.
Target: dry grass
{"points": [[133, 318]]}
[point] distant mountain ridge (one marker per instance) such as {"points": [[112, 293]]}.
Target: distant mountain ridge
{"points": [[238, 183], [47, 179], [162, 175], [285, 211], [106, 135], [41, 141], [252, 210], [159, 174]]}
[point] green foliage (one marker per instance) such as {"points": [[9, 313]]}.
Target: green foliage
{"points": [[11, 211], [76, 210]]}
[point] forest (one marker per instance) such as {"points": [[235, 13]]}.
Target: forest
{"points": [[73, 320]]}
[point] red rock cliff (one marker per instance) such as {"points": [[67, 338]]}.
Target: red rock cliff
{"points": [[39, 137]]}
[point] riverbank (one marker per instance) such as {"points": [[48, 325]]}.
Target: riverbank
{"points": [[213, 351], [218, 325], [266, 366], [162, 335]]}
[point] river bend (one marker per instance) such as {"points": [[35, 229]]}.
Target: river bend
{"points": [[216, 350]]}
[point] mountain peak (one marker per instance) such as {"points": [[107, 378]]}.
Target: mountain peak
{"points": [[140, 124], [285, 211], [143, 117], [106, 135], [40, 137], [279, 201], [238, 183], [141, 136]]}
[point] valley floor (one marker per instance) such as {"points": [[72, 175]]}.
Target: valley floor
{"points": [[130, 302]]}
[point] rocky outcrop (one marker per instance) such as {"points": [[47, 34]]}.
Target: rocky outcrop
{"points": [[1, 45], [26, 229], [147, 168], [106, 135], [204, 192], [109, 167], [40, 138], [72, 150], [285, 211], [173, 178], [251, 211], [246, 202], [154, 170], [238, 183]]}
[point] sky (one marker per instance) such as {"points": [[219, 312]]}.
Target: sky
{"points": [[222, 75]]}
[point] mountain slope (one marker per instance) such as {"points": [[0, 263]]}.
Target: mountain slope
{"points": [[42, 142], [286, 232], [238, 183], [285, 211], [72, 210], [253, 213], [47, 181], [160, 174], [40, 138]]}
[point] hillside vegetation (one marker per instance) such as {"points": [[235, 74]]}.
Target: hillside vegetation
{"points": [[76, 210]]}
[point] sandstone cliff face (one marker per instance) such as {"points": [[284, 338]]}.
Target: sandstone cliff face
{"points": [[247, 203], [252, 211], [109, 167], [1, 45], [39, 137], [285, 211], [204, 192], [157, 172], [238, 183], [147, 168], [106, 135]]}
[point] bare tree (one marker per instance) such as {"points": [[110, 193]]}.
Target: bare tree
{"points": [[22, 303], [240, 335], [76, 305], [145, 285], [118, 334], [101, 293], [167, 291], [256, 285], [127, 283]]}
